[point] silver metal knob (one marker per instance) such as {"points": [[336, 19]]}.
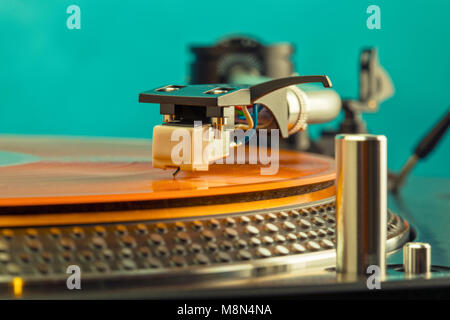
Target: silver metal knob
{"points": [[417, 258], [361, 203]]}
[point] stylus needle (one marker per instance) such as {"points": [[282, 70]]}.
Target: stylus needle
{"points": [[176, 171]]}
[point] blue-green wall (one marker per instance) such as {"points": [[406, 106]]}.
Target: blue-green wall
{"points": [[86, 82]]}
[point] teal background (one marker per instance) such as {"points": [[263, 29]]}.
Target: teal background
{"points": [[86, 82]]}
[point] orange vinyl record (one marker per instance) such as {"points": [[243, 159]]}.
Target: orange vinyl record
{"points": [[36, 171]]}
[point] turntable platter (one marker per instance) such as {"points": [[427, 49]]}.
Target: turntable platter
{"points": [[60, 170]]}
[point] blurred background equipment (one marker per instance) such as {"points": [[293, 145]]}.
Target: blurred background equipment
{"points": [[244, 60], [375, 86], [242, 54], [422, 150]]}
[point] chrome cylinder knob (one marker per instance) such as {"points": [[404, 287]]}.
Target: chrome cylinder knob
{"points": [[361, 203], [417, 258]]}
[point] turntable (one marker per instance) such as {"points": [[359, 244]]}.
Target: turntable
{"points": [[99, 204], [136, 222]]}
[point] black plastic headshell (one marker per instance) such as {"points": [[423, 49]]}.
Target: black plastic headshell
{"points": [[183, 99]]}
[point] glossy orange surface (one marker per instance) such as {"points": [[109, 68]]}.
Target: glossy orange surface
{"points": [[55, 170]]}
